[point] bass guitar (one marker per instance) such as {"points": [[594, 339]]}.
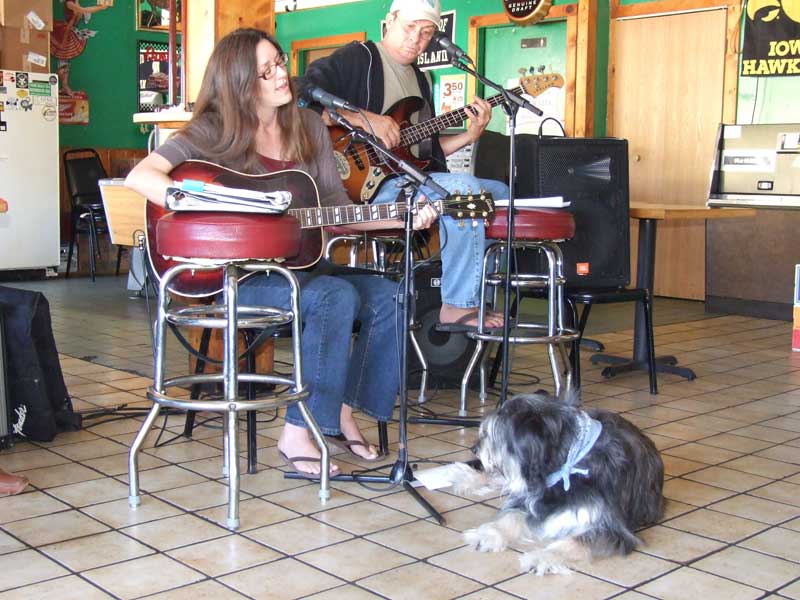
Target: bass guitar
{"points": [[305, 208], [363, 171]]}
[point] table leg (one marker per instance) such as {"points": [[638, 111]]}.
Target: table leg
{"points": [[645, 278]]}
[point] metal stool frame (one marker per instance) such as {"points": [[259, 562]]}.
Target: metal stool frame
{"points": [[555, 333], [230, 317], [379, 244]]}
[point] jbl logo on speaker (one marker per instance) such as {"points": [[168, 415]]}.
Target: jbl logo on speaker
{"points": [[582, 268]]}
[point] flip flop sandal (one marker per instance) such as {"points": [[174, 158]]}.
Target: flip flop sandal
{"points": [[340, 441], [460, 325], [291, 463]]}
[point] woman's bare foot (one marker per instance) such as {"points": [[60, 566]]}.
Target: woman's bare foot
{"points": [[296, 442], [452, 314], [353, 433]]}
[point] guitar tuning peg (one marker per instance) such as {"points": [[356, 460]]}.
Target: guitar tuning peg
{"points": [[531, 69], [523, 71]]}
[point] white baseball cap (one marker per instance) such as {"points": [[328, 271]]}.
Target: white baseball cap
{"points": [[416, 10]]}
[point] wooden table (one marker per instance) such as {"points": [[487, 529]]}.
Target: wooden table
{"points": [[649, 215]]}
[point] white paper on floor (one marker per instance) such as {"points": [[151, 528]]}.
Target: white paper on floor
{"points": [[435, 478]]}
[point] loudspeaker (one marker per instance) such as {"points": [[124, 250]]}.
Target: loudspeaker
{"points": [[592, 175], [447, 354]]}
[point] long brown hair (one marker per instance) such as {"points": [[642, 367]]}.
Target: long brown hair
{"points": [[225, 118]]}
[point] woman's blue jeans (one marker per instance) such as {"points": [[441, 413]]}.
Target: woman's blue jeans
{"points": [[363, 374], [463, 242]]}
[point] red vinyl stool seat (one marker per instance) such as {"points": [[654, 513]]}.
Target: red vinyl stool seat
{"points": [[533, 224], [227, 236]]}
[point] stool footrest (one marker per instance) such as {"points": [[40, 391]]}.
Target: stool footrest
{"points": [[538, 335], [223, 405], [205, 316]]}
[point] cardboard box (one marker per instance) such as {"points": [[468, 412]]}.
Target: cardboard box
{"points": [[13, 13], [16, 55]]}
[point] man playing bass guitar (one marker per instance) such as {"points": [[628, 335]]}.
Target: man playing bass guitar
{"points": [[374, 77]]}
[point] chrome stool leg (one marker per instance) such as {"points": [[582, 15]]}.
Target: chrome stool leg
{"points": [[134, 499]]}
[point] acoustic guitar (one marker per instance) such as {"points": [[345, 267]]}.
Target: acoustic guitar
{"points": [[363, 171], [305, 208]]}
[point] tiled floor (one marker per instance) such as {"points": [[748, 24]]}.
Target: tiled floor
{"points": [[730, 442]]}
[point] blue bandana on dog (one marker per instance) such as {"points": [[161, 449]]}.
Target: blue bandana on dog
{"points": [[589, 430]]}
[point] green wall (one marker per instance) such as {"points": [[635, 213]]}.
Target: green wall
{"points": [[107, 71], [107, 68]]}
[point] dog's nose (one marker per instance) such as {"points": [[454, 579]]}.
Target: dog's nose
{"points": [[475, 448]]}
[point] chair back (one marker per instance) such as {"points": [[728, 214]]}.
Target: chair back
{"points": [[82, 170]]}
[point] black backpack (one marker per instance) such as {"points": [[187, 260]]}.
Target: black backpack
{"points": [[36, 389]]}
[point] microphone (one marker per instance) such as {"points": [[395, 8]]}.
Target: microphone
{"points": [[326, 99], [453, 51]]}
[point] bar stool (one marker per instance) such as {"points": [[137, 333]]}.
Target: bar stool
{"points": [[381, 243], [223, 245], [538, 230]]}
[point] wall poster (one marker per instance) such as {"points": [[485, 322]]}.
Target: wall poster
{"points": [[153, 78]]}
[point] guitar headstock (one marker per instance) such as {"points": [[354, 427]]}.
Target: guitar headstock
{"points": [[533, 85], [469, 206]]}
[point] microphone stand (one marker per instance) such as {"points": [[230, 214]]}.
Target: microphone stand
{"points": [[512, 102], [401, 472]]}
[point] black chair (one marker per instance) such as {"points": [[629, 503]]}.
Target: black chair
{"points": [[82, 170], [608, 296]]}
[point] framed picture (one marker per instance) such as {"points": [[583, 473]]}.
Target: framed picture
{"points": [[153, 74], [154, 15]]}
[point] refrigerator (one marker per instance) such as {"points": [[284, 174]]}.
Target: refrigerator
{"points": [[30, 225]]}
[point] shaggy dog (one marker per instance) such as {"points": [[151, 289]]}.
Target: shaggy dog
{"points": [[579, 483]]}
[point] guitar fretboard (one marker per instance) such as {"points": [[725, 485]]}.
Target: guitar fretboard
{"points": [[344, 215], [422, 131]]}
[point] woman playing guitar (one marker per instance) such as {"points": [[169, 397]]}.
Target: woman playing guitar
{"points": [[245, 119]]}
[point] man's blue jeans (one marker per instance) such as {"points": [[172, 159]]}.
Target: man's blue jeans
{"points": [[463, 243], [363, 374]]}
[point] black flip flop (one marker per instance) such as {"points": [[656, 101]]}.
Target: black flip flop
{"points": [[340, 441], [460, 325], [290, 462]]}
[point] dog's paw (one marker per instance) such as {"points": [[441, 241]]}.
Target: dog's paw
{"points": [[486, 538], [543, 563], [466, 480]]}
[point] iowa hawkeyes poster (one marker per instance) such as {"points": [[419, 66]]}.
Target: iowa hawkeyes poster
{"points": [[771, 39]]}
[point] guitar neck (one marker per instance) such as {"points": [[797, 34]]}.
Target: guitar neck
{"points": [[422, 131], [346, 215]]}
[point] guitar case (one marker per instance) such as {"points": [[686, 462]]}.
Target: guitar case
{"points": [[447, 354], [35, 381]]}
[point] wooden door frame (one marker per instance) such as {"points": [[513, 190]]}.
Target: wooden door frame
{"points": [[730, 81], [328, 41], [579, 95]]}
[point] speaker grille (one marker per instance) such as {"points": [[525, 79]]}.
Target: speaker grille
{"points": [[591, 174]]}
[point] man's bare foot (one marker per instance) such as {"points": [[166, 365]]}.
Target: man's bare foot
{"points": [[351, 431], [452, 314], [11, 484], [296, 442]]}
